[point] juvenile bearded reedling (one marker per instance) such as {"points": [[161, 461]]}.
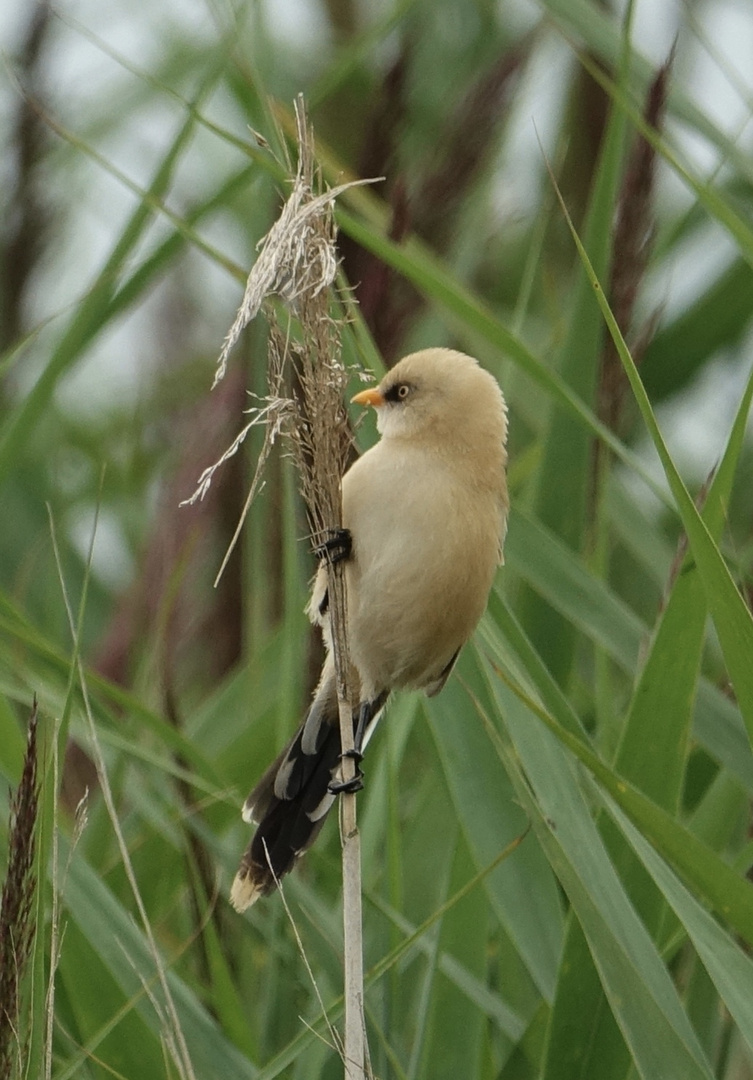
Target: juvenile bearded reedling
{"points": [[425, 514]]}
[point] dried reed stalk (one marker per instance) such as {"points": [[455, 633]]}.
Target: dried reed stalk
{"points": [[17, 910], [306, 383], [634, 234]]}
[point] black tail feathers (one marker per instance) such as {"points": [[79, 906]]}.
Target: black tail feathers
{"points": [[292, 799], [290, 804]]}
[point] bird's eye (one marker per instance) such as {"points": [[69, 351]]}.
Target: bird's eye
{"points": [[398, 392]]}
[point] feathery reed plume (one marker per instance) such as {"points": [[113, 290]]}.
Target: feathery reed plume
{"points": [[16, 908]]}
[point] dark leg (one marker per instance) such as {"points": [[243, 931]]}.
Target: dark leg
{"points": [[366, 713], [336, 547], [350, 787]]}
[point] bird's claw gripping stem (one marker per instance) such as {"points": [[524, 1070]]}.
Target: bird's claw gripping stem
{"points": [[348, 787], [336, 548]]}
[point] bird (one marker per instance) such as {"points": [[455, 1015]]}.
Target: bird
{"points": [[424, 515]]}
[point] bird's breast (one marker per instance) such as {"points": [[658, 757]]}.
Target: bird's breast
{"points": [[425, 549]]}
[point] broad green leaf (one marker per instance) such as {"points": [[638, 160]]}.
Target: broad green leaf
{"points": [[522, 892], [292, 1051], [728, 965], [473, 986], [583, 1034], [543, 560], [637, 985], [106, 1025], [713, 879], [455, 1031]]}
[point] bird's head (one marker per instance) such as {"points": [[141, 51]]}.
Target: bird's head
{"points": [[438, 394]]}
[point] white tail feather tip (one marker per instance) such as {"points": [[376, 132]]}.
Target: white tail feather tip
{"points": [[244, 892]]}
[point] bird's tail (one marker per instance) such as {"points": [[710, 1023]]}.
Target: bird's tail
{"points": [[290, 802]]}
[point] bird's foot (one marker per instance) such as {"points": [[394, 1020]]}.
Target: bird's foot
{"points": [[355, 755], [335, 548], [355, 783], [346, 787]]}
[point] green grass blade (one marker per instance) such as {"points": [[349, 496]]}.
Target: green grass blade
{"points": [[605, 619], [544, 561], [729, 967], [711, 878], [653, 755], [475, 989], [455, 1032], [717, 204], [522, 893], [640, 992], [732, 618], [716, 321], [603, 35]]}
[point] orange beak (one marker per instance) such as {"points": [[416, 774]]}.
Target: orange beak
{"points": [[372, 396]]}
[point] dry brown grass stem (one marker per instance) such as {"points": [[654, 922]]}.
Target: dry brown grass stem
{"points": [[306, 381], [59, 879], [634, 232], [17, 909]]}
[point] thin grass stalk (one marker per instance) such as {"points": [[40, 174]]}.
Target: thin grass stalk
{"points": [[173, 1037]]}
